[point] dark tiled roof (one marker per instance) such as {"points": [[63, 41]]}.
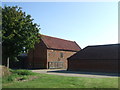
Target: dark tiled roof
{"points": [[61, 44], [98, 52]]}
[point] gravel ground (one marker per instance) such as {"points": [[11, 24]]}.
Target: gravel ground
{"points": [[64, 72]]}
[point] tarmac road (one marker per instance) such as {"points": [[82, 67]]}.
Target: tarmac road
{"points": [[64, 72]]}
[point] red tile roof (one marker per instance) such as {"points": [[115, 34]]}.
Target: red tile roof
{"points": [[60, 44]]}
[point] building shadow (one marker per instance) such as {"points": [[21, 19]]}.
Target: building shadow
{"points": [[84, 72]]}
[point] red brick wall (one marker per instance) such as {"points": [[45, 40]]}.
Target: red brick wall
{"points": [[93, 65], [37, 57], [40, 56], [54, 55]]}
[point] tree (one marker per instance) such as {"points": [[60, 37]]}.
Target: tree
{"points": [[19, 33]]}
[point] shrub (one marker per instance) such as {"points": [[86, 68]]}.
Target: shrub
{"points": [[22, 72], [9, 78]]}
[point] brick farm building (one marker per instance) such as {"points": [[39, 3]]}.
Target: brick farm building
{"points": [[51, 52]]}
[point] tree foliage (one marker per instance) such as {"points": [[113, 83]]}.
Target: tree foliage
{"points": [[19, 33]]}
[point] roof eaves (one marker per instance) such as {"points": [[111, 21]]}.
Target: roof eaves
{"points": [[62, 49], [45, 43], [77, 45]]}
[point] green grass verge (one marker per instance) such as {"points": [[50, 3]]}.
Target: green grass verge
{"points": [[55, 81], [17, 74]]}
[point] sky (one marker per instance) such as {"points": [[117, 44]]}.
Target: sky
{"points": [[87, 23]]}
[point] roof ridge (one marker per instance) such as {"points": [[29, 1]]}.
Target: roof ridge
{"points": [[103, 45], [57, 38]]}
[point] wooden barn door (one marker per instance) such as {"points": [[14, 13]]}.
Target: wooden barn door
{"points": [[55, 65]]}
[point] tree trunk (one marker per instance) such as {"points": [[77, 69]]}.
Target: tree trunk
{"points": [[8, 62]]}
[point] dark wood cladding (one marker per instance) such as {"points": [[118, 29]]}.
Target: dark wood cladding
{"points": [[93, 65], [100, 58], [37, 57]]}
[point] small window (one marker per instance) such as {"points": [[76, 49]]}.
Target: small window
{"points": [[61, 55]]}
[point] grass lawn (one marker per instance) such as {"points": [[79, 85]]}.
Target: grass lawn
{"points": [[53, 81]]}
